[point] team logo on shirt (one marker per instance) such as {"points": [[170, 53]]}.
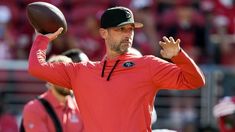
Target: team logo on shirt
{"points": [[128, 64], [31, 125], [74, 118]]}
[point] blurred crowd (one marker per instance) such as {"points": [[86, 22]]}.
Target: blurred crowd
{"points": [[206, 27]]}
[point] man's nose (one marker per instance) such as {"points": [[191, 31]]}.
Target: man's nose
{"points": [[128, 33]]}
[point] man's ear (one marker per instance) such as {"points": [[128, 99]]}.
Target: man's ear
{"points": [[103, 32]]}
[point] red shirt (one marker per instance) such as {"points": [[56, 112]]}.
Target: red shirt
{"points": [[8, 123], [36, 119], [224, 127], [124, 103]]}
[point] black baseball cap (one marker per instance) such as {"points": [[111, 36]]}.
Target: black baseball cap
{"points": [[118, 16]]}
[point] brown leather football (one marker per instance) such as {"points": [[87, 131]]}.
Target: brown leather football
{"points": [[45, 17]]}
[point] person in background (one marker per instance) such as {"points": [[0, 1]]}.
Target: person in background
{"points": [[8, 121], [223, 30], [76, 55], [186, 22], [224, 112], [37, 119], [117, 93], [7, 40], [146, 38], [90, 41]]}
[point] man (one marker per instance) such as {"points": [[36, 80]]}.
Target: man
{"points": [[37, 119], [224, 112], [117, 93]]}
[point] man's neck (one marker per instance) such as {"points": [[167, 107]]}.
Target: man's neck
{"points": [[61, 98], [112, 55]]}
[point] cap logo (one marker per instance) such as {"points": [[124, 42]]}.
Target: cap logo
{"points": [[128, 64], [128, 14]]}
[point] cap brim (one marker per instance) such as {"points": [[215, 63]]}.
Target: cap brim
{"points": [[136, 24]]}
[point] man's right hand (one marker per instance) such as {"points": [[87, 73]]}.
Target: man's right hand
{"points": [[52, 36]]}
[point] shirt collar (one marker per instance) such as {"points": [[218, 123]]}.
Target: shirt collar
{"points": [[55, 103], [124, 56]]}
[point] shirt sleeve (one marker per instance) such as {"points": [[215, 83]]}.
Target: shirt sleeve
{"points": [[33, 119], [56, 73], [183, 73]]}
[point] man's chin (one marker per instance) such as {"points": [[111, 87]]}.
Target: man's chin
{"points": [[123, 52], [64, 94], [124, 49]]}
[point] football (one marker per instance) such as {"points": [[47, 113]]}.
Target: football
{"points": [[45, 17]]}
